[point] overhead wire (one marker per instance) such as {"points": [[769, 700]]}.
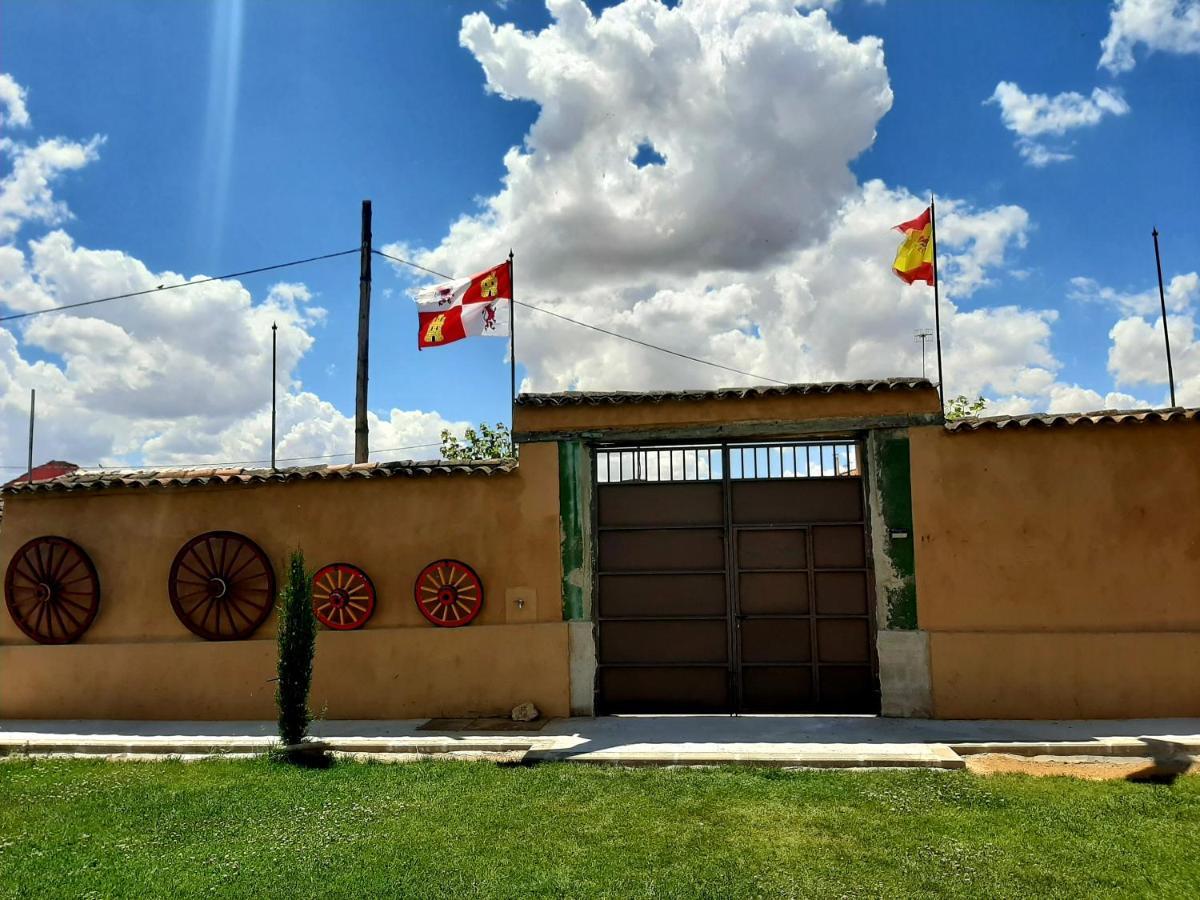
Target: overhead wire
{"points": [[297, 262], [171, 287], [624, 337]]}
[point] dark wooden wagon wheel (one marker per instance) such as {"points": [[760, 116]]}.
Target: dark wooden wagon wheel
{"points": [[221, 585], [449, 593], [52, 590], [343, 597]]}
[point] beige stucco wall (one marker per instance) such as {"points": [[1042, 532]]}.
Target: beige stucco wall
{"points": [[1058, 570], [849, 405], [138, 660]]}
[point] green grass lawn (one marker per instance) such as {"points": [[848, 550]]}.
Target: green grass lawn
{"points": [[263, 829]]}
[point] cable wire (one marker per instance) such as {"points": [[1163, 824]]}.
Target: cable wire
{"points": [[171, 287], [624, 337]]}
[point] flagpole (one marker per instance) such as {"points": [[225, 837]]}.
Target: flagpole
{"points": [[1162, 299], [937, 305], [512, 346], [274, 377]]}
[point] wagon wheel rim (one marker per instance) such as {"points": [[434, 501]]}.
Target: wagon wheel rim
{"points": [[222, 586], [51, 590], [343, 597], [449, 593]]}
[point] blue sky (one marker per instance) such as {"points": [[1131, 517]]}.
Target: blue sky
{"points": [[241, 135]]}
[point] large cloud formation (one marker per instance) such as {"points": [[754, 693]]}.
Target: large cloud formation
{"points": [[748, 240], [173, 378]]}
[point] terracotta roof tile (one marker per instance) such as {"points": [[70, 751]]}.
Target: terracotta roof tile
{"points": [[1053, 420], [148, 478], [598, 398]]}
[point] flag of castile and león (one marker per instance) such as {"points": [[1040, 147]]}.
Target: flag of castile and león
{"points": [[466, 307], [914, 258]]}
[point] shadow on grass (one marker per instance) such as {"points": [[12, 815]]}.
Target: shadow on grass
{"points": [[1168, 762], [303, 756]]}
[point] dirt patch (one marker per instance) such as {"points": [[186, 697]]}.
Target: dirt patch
{"points": [[1091, 768]]}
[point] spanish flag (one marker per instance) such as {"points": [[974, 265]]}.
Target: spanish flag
{"points": [[914, 258]]}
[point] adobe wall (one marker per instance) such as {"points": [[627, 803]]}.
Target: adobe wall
{"points": [[139, 661], [1058, 569]]}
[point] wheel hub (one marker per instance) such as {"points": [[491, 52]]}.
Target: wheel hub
{"points": [[45, 592], [447, 595], [339, 598], [217, 588]]}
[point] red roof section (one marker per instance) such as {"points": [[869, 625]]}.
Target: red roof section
{"points": [[46, 471]]}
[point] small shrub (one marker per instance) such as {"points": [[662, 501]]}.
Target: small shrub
{"points": [[297, 638]]}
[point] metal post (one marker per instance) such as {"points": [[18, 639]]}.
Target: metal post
{"points": [[32, 404], [512, 348], [937, 315], [364, 337], [274, 330], [1162, 299]]}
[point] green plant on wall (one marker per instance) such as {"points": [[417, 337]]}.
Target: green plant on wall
{"points": [[486, 443], [962, 408], [297, 639]]}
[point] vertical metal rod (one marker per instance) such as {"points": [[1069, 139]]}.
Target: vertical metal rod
{"points": [[364, 338], [32, 405], [274, 380], [512, 343], [937, 305], [1162, 299]]}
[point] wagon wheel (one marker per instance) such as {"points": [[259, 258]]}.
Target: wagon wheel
{"points": [[343, 597], [52, 590], [221, 585], [449, 593]]}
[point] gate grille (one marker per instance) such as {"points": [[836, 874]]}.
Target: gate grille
{"points": [[811, 459]]}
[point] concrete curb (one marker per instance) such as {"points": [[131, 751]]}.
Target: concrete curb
{"points": [[1124, 747], [208, 748], [926, 756]]}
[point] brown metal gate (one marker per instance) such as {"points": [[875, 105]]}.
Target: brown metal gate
{"points": [[733, 577]]}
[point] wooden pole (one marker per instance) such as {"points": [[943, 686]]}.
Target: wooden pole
{"points": [[274, 330], [1162, 299], [937, 306], [32, 404], [364, 338]]}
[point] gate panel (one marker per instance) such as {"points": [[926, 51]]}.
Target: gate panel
{"points": [[733, 578]]}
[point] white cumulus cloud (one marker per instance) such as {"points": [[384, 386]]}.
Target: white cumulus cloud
{"points": [[1137, 355], [751, 244], [1034, 116], [1168, 26], [178, 377]]}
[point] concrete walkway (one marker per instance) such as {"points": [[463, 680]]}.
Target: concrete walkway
{"points": [[812, 741]]}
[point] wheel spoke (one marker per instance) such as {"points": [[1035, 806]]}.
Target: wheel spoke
{"points": [[201, 575], [212, 556], [78, 606], [251, 559]]}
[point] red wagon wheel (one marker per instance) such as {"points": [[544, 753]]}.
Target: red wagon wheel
{"points": [[52, 590], [221, 585], [449, 593], [343, 597]]}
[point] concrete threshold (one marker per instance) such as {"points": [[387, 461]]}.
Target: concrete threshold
{"points": [[933, 756]]}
